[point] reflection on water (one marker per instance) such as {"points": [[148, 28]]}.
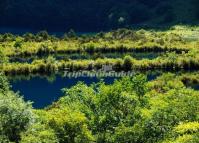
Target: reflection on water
{"points": [[194, 86], [43, 90], [86, 56], [22, 31]]}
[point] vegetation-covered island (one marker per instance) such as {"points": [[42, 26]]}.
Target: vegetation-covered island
{"points": [[154, 43]]}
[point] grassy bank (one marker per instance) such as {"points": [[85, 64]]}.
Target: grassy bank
{"points": [[170, 61], [176, 39]]}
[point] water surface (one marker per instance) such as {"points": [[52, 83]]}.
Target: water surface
{"points": [[86, 56], [44, 90]]}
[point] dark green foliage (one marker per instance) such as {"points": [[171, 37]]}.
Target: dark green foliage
{"points": [[96, 15], [29, 37], [7, 37], [42, 36], [71, 34], [18, 44], [127, 63]]}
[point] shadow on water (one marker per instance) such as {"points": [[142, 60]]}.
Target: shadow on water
{"points": [[44, 90], [194, 86]]}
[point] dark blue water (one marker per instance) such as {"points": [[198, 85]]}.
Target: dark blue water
{"points": [[21, 31], [18, 31], [44, 90], [193, 86], [43, 93]]}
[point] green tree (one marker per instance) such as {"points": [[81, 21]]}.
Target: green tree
{"points": [[18, 44], [168, 110], [71, 34], [39, 133], [127, 63], [3, 57], [69, 125], [107, 107], [184, 133], [4, 84], [15, 116], [42, 36], [29, 37]]}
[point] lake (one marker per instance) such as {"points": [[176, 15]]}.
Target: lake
{"points": [[21, 31], [44, 90]]}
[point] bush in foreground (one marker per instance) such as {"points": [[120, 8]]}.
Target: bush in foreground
{"points": [[15, 114], [131, 110]]}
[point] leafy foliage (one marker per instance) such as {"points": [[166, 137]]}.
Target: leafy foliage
{"points": [[15, 116], [39, 133], [129, 110], [4, 85]]}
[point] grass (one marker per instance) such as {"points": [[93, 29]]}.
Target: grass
{"points": [[179, 52], [170, 61], [120, 40]]}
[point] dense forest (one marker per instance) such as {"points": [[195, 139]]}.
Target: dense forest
{"points": [[96, 15]]}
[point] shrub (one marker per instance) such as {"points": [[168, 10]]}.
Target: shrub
{"points": [[7, 37], [69, 125], [18, 44], [29, 37], [71, 34], [15, 116], [42, 36], [4, 85], [165, 112], [106, 107], [3, 57], [44, 49], [184, 133], [127, 63], [39, 133], [90, 47]]}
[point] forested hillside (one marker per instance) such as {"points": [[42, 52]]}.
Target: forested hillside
{"points": [[96, 15]]}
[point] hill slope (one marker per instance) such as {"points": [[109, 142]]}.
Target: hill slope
{"points": [[90, 15]]}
